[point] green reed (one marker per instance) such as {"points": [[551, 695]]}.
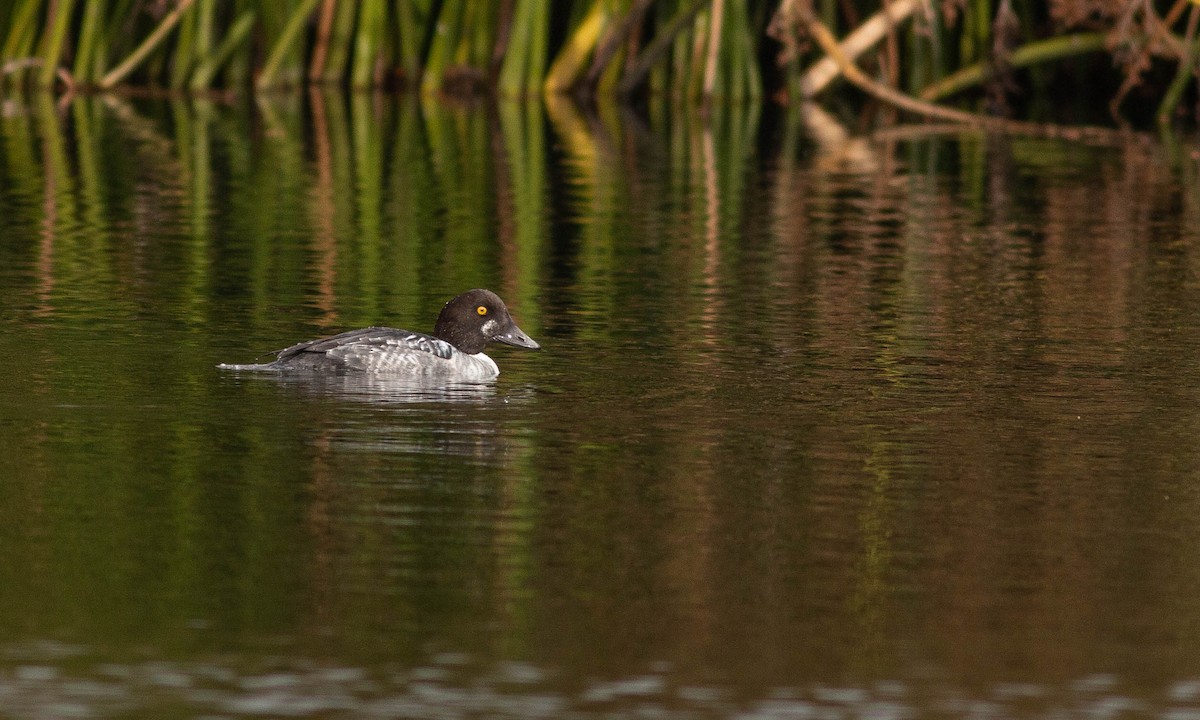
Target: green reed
{"points": [[692, 50]]}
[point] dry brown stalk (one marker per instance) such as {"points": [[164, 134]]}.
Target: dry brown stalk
{"points": [[825, 39], [828, 43], [874, 29], [1135, 67]]}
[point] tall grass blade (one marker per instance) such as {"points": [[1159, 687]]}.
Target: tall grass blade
{"points": [[1185, 72], [320, 51], [184, 54], [615, 42], [715, 29], [20, 30], [234, 38], [636, 73], [409, 41], [205, 30], [285, 43], [20, 39], [368, 44], [572, 59], [1025, 56], [539, 45], [54, 41], [90, 40], [516, 56], [160, 33], [341, 41], [441, 52]]}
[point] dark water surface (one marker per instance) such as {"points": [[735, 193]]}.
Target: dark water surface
{"points": [[890, 427]]}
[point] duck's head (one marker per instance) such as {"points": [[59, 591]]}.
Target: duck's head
{"points": [[476, 318]]}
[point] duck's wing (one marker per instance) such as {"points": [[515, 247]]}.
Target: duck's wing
{"points": [[368, 349]]}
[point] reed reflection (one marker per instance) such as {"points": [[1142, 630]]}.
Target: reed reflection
{"points": [[888, 399]]}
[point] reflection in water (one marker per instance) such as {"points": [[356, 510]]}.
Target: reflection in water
{"points": [[823, 425], [452, 686], [378, 388]]}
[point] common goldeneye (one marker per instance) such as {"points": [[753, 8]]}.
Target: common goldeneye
{"points": [[454, 352]]}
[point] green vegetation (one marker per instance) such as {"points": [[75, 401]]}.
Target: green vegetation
{"points": [[690, 50]]}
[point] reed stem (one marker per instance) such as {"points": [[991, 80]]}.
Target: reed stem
{"points": [[1184, 73], [441, 52], [85, 68], [131, 63], [572, 58], [698, 50], [185, 48], [1030, 54], [22, 32], [234, 38], [410, 41], [54, 41], [636, 73], [341, 42], [368, 40], [284, 43], [516, 54]]}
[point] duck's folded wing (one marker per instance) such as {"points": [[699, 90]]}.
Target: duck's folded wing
{"points": [[373, 348]]}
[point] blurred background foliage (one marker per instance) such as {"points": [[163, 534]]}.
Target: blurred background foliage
{"points": [[1005, 57]]}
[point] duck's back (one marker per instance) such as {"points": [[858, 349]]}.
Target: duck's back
{"points": [[381, 350]]}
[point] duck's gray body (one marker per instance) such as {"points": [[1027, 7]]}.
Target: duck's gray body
{"points": [[466, 325], [380, 350]]}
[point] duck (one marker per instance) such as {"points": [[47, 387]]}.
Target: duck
{"points": [[466, 325]]}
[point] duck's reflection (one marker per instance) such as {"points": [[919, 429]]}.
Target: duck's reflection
{"points": [[384, 389]]}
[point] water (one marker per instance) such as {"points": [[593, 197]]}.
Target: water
{"points": [[900, 426]]}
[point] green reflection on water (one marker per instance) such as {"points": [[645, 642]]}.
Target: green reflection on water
{"points": [[812, 398]]}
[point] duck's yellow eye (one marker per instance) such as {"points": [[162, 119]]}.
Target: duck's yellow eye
{"points": [[482, 310]]}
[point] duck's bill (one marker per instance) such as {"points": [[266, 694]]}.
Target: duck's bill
{"points": [[517, 338]]}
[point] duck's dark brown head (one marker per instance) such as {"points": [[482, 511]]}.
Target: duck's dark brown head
{"points": [[476, 318]]}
